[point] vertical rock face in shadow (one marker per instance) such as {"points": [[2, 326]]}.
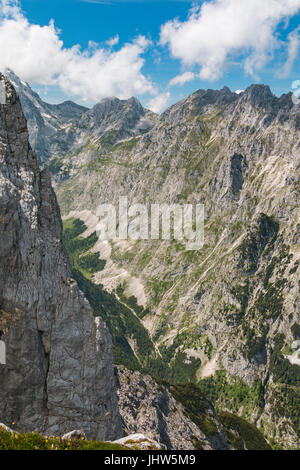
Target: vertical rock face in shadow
{"points": [[58, 374], [237, 173]]}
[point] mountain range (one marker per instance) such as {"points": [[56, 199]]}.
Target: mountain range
{"points": [[225, 318]]}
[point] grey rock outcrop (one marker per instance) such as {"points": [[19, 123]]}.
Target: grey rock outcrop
{"points": [[58, 374], [148, 406], [76, 434], [109, 122]]}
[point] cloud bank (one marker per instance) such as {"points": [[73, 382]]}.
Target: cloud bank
{"points": [[217, 34], [37, 54], [221, 31]]}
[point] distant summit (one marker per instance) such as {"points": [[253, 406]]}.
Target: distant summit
{"points": [[44, 119], [55, 129]]}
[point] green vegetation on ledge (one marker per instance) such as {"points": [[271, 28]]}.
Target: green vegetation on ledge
{"points": [[33, 441], [242, 434]]}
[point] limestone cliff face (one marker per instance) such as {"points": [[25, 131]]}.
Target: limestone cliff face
{"points": [[59, 373]]}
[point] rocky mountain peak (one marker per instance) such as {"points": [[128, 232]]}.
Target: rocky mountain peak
{"points": [[198, 103], [44, 119], [115, 112], [108, 122], [214, 97], [17, 82], [258, 95]]}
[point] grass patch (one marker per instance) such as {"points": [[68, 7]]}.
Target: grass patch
{"points": [[34, 441]]}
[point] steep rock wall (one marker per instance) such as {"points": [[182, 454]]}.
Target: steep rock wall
{"points": [[58, 374]]}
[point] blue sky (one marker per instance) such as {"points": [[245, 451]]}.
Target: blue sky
{"points": [[141, 47]]}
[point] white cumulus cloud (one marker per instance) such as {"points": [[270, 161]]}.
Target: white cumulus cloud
{"points": [[293, 51], [159, 103], [38, 55], [113, 41], [220, 31], [182, 79]]}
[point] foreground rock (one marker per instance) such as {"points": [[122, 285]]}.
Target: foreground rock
{"points": [[58, 374], [76, 434], [139, 442], [6, 428]]}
